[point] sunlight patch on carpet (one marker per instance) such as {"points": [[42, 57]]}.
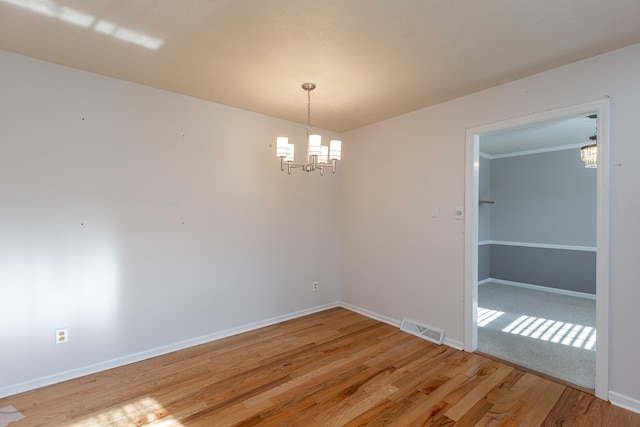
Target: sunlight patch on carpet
{"points": [[577, 336], [486, 316]]}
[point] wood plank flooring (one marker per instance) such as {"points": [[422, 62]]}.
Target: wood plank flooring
{"points": [[334, 368]]}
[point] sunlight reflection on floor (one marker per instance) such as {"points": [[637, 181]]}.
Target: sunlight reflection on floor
{"points": [[146, 411]]}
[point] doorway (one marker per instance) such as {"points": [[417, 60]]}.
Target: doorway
{"points": [[472, 200]]}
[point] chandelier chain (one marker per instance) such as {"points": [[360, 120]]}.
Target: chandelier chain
{"points": [[309, 109]]}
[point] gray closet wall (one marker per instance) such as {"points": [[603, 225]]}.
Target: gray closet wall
{"points": [[541, 200]]}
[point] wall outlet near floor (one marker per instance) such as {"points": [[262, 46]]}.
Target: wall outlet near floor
{"points": [[315, 286], [62, 336]]}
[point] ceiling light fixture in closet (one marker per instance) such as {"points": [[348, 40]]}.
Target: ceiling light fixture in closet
{"points": [[318, 155], [589, 153]]}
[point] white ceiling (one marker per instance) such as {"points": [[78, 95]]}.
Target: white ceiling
{"points": [[570, 131], [370, 59]]}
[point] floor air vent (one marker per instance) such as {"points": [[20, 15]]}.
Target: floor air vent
{"points": [[422, 331]]}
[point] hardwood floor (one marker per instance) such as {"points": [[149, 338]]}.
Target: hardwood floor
{"points": [[334, 368]]}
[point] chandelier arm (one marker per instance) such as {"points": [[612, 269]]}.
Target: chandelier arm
{"points": [[309, 167], [296, 165]]}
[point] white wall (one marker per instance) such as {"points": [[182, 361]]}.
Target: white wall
{"points": [[399, 261], [133, 229], [143, 220]]}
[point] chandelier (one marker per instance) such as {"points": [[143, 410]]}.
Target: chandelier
{"points": [[589, 153], [319, 156]]}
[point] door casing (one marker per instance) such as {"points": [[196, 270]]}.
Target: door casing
{"points": [[601, 108]]}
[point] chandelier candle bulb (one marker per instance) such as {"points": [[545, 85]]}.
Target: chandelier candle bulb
{"points": [[282, 144], [335, 149], [324, 156], [290, 153], [315, 145]]}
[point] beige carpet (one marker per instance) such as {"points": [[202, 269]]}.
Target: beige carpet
{"points": [[549, 333]]}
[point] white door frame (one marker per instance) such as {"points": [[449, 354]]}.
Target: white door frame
{"points": [[601, 108]]}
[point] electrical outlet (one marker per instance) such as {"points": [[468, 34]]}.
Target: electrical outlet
{"points": [[62, 336], [315, 286]]}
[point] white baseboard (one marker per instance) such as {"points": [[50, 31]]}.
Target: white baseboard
{"points": [[158, 351], [10, 390], [458, 345], [539, 288], [371, 314], [625, 402], [394, 322]]}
